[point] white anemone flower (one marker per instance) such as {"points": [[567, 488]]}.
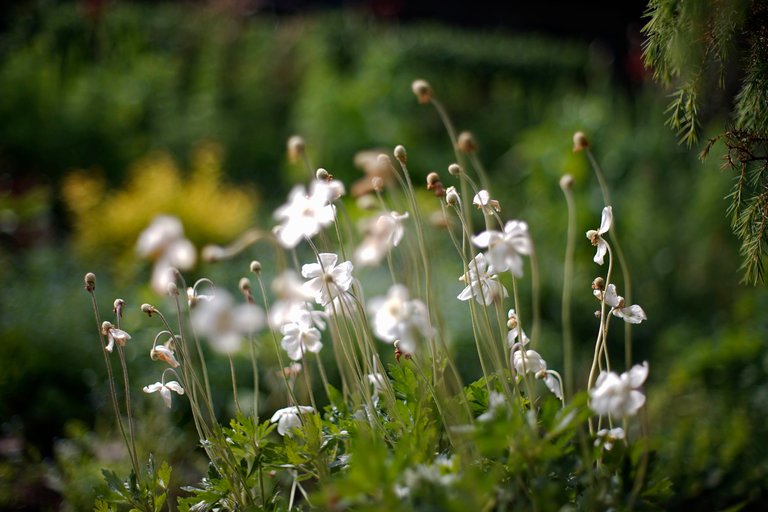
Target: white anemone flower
{"points": [[292, 300], [114, 336], [633, 314], [607, 437], [225, 324], [596, 236], [484, 202], [304, 215], [163, 242], [396, 317], [530, 361], [288, 419], [327, 280], [386, 233], [300, 336], [618, 395], [482, 284], [505, 247], [165, 389]]}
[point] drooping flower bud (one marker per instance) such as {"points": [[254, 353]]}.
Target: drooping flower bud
{"points": [[149, 309], [90, 281], [598, 283], [255, 266], [466, 142], [323, 175], [422, 90], [566, 182], [454, 169], [400, 154], [452, 196], [295, 148], [580, 142]]}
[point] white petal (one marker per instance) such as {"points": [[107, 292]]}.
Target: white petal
{"points": [[152, 387], [634, 314], [166, 394], [327, 261], [635, 401], [175, 386], [606, 220], [602, 249], [611, 297], [637, 374], [484, 239]]}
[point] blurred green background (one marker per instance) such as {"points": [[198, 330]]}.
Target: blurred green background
{"points": [[113, 112]]}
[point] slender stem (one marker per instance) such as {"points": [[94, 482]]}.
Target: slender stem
{"points": [[234, 384], [568, 293]]}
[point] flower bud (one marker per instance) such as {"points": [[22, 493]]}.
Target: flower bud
{"points": [[422, 90], [255, 266], [106, 327], [580, 142], [244, 285], [432, 179], [400, 154], [451, 196], [213, 253], [323, 175], [598, 283], [466, 142], [118, 306], [566, 182], [149, 309], [454, 169], [172, 289], [295, 148], [384, 160], [377, 182], [90, 281]]}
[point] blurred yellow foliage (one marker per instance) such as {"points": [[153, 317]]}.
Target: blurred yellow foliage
{"points": [[107, 222]]}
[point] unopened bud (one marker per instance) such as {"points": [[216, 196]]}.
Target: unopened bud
{"points": [[255, 266], [90, 281], [451, 196], [432, 179], [566, 182], [400, 154], [598, 283], [149, 309], [212, 253], [466, 142], [323, 175], [244, 285], [384, 161], [580, 142], [172, 289], [118, 306], [422, 90], [295, 148], [106, 327], [454, 169], [377, 182]]}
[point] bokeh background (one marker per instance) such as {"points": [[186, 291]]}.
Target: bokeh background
{"points": [[113, 112]]}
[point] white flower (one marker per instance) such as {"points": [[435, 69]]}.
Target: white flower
{"points": [[292, 301], [164, 353], [515, 334], [395, 317], [530, 361], [607, 437], [481, 283], [633, 314], [193, 297], [164, 243], [114, 335], [288, 419], [326, 279], [385, 234], [165, 390], [303, 216], [595, 236], [495, 401], [618, 395], [300, 336], [505, 248], [484, 202], [224, 323]]}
